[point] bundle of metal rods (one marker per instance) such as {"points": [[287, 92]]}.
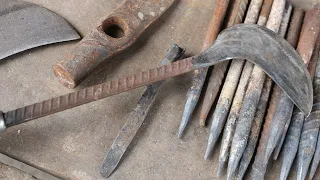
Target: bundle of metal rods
{"points": [[255, 118]]}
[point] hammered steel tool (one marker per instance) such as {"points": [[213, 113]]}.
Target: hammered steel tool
{"points": [[114, 34], [24, 25], [252, 42], [136, 118]]}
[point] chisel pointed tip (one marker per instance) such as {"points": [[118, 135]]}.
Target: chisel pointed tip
{"points": [[232, 166], [220, 168], [182, 127], [286, 166], [269, 151], [312, 171], [210, 146], [207, 154], [180, 133], [302, 169]]}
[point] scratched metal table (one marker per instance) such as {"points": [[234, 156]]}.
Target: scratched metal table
{"points": [[72, 144]]}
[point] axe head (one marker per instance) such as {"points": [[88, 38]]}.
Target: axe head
{"points": [[25, 25], [270, 52]]}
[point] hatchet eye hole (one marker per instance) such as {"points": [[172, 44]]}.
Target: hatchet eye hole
{"points": [[114, 27]]}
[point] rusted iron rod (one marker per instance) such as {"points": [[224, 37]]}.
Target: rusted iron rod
{"points": [[218, 121], [308, 37], [136, 118], [201, 74], [242, 86], [221, 51], [252, 97]]}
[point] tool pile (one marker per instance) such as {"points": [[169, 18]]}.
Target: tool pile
{"points": [[256, 116]]}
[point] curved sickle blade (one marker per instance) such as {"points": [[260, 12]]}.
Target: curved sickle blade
{"points": [[267, 50], [24, 26]]}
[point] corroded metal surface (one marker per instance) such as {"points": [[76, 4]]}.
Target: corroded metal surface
{"points": [[252, 96], [241, 87], [255, 129], [292, 138], [25, 25], [219, 71], [201, 74], [226, 96], [238, 34], [114, 34], [308, 37], [315, 160], [285, 106], [259, 167], [292, 38], [135, 119], [311, 125]]}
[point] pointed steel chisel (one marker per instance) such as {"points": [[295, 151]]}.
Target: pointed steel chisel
{"points": [[294, 28], [200, 75], [285, 106], [253, 14], [136, 118], [292, 139], [217, 123], [255, 129], [25, 25], [252, 97]]}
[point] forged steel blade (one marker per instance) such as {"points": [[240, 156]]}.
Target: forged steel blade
{"points": [[252, 42], [25, 25], [136, 118]]}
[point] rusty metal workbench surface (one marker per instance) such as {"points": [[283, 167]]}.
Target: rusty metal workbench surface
{"points": [[72, 144]]}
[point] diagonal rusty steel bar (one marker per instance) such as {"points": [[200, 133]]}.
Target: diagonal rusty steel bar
{"points": [[200, 74], [216, 126], [308, 37], [239, 41], [136, 118], [252, 97]]}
